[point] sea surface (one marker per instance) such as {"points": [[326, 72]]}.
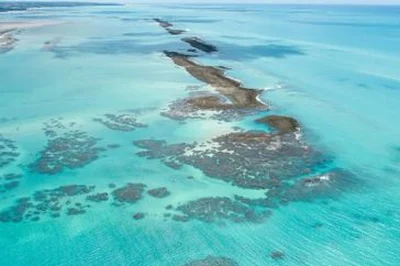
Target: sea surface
{"points": [[335, 69]]}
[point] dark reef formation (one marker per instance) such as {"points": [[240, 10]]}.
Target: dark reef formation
{"points": [[198, 43], [8, 151], [138, 216], [213, 261], [280, 163], [48, 202], [72, 200], [218, 209], [98, 197], [129, 193], [250, 159], [277, 255], [204, 105], [283, 124], [239, 96], [168, 27], [120, 122], [161, 192], [70, 149]]}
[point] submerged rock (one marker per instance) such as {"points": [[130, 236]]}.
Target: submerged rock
{"points": [[73, 149], [198, 43], [99, 197], [161, 192], [219, 208], [163, 23], [8, 151], [45, 202], [121, 122], [75, 211], [11, 185], [168, 27], [277, 255], [15, 213], [129, 193], [12, 176], [212, 261], [283, 124], [206, 105], [252, 159], [138, 216]]}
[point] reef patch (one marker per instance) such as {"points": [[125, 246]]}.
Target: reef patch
{"points": [[98, 197], [71, 149], [252, 159], [8, 151], [200, 44], [216, 209], [129, 193], [120, 122], [47, 202], [205, 105], [283, 124], [161, 192], [168, 27]]}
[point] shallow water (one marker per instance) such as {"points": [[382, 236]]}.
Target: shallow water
{"points": [[332, 68]]}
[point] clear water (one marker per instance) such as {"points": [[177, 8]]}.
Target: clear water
{"points": [[334, 68]]}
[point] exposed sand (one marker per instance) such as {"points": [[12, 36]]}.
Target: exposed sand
{"points": [[7, 40], [17, 25]]}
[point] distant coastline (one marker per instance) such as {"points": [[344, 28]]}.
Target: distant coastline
{"points": [[22, 6]]}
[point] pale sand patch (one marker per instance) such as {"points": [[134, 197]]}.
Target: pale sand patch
{"points": [[7, 27]]}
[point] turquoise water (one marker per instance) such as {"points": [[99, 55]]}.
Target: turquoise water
{"points": [[334, 68]]}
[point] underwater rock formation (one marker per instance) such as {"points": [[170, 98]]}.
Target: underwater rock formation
{"points": [[129, 193], [283, 124], [8, 151], [98, 197], [277, 255], [213, 261], [214, 209], [139, 216], [239, 96], [70, 149], [168, 27], [47, 202], [250, 159], [12, 176], [204, 105], [161, 192], [120, 122], [198, 43]]}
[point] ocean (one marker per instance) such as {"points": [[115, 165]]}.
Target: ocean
{"points": [[106, 160]]}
